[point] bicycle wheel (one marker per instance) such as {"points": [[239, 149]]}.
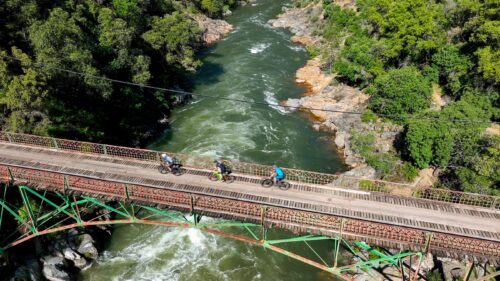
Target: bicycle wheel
{"points": [[162, 169], [213, 177], [179, 171], [284, 185], [267, 182], [230, 178]]}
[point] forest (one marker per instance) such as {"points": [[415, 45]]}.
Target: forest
{"points": [[52, 51], [403, 52]]}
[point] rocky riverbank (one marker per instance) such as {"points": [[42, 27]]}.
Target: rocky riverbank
{"points": [[323, 93], [56, 258]]}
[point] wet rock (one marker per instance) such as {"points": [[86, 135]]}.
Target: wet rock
{"points": [[55, 269], [293, 103], [30, 271], [87, 248], [78, 261]]}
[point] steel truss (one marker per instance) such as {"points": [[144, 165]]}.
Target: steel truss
{"points": [[40, 213]]}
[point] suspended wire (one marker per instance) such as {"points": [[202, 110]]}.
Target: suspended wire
{"points": [[77, 73]]}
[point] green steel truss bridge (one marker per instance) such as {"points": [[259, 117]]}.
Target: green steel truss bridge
{"points": [[51, 185]]}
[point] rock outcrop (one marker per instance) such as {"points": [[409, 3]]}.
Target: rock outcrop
{"points": [[302, 22], [212, 29]]}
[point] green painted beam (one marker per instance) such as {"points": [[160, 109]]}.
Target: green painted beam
{"points": [[299, 239]]}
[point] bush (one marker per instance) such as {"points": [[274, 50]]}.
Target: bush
{"points": [[364, 144], [400, 92], [409, 171], [428, 143], [452, 68], [313, 50], [368, 116]]}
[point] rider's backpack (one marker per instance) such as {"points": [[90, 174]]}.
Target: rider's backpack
{"points": [[228, 169]]}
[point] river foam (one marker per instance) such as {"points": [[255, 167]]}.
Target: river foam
{"points": [[259, 48]]}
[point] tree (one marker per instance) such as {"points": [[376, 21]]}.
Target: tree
{"points": [[358, 62], [400, 92], [453, 68], [173, 36], [23, 98], [480, 31], [213, 7], [407, 27], [428, 143]]}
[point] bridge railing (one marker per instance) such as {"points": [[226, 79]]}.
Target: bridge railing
{"points": [[203, 162]]}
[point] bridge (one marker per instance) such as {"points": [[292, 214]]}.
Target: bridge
{"points": [[396, 216]]}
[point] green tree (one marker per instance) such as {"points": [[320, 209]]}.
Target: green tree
{"points": [[173, 36], [453, 68], [428, 143], [400, 92], [407, 27], [213, 7], [358, 62], [23, 98]]}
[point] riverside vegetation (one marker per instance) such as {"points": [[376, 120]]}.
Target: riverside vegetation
{"points": [[424, 58], [146, 42]]}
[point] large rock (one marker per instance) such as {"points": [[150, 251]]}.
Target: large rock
{"points": [[366, 172], [302, 22], [87, 248], [213, 29], [78, 261], [30, 271], [55, 269], [340, 139]]}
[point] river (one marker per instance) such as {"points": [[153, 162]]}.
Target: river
{"points": [[253, 63]]}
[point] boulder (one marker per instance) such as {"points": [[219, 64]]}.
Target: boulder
{"points": [[213, 29], [54, 269], [294, 103], [366, 172], [30, 271], [340, 139], [87, 248]]}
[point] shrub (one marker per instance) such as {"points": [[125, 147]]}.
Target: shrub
{"points": [[409, 171], [368, 116], [400, 92]]}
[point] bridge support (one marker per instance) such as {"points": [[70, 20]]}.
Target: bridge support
{"points": [[49, 212]]}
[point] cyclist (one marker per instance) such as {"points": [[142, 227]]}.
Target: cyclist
{"points": [[220, 170], [167, 161], [277, 174]]}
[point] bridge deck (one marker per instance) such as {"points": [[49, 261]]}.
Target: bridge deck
{"points": [[420, 214]]}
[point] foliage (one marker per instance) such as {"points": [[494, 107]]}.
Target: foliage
{"points": [[368, 116], [148, 42], [395, 49], [410, 172], [428, 143], [174, 35], [480, 31], [358, 62], [452, 67], [406, 27], [363, 143], [400, 92]]}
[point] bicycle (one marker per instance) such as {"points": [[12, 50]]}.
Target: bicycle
{"points": [[282, 184], [176, 168], [226, 177]]}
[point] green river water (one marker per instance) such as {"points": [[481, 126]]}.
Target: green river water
{"points": [[255, 63]]}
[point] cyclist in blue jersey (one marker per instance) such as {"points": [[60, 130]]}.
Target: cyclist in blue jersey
{"points": [[277, 174], [167, 161]]}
